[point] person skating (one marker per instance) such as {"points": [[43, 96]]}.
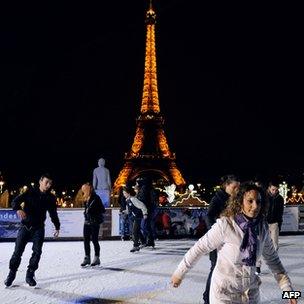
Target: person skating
{"points": [[229, 187], [148, 195], [31, 207], [93, 217], [138, 211], [241, 236]]}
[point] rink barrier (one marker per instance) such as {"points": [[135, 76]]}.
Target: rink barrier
{"points": [[169, 223]]}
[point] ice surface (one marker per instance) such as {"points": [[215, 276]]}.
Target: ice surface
{"points": [[125, 277]]}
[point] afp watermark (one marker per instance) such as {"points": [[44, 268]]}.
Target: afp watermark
{"points": [[291, 294]]}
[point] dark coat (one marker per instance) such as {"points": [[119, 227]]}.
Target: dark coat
{"points": [[275, 210], [148, 195], [216, 207], [36, 204], [93, 210]]}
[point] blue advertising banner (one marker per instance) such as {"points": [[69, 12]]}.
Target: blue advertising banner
{"points": [[9, 223]]}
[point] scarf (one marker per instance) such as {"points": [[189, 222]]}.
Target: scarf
{"points": [[249, 243]]}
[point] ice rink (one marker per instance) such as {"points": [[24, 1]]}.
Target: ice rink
{"points": [[125, 277]]}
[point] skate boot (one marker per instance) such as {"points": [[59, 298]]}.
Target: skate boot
{"points": [[30, 277], [96, 261], [86, 261], [10, 278], [150, 244], [258, 271], [135, 248]]}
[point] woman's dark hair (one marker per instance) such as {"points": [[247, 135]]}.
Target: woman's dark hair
{"points": [[234, 205], [129, 190]]}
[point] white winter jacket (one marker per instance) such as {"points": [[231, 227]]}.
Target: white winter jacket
{"points": [[231, 281]]}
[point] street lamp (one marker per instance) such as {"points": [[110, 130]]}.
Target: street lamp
{"points": [[1, 186]]}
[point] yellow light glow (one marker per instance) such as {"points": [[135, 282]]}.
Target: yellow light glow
{"points": [[149, 117], [163, 145], [122, 178], [150, 101], [138, 142]]}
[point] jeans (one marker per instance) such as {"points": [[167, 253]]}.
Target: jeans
{"points": [[137, 235], [274, 234], [90, 233], [213, 258], [36, 235], [125, 225], [147, 231]]}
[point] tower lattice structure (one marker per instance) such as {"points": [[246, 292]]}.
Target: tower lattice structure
{"points": [[150, 152]]}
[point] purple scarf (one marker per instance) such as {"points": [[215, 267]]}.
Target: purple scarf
{"points": [[249, 244]]}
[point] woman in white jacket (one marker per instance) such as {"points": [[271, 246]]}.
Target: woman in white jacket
{"points": [[241, 236]]}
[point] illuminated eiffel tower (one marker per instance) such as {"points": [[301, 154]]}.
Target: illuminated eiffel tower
{"points": [[150, 153]]}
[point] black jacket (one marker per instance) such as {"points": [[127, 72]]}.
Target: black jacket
{"points": [[93, 210], [36, 203], [149, 196], [275, 210], [216, 207]]}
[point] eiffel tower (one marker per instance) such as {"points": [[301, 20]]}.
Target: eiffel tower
{"points": [[150, 153]]}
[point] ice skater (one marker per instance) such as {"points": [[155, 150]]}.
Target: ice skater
{"points": [[241, 236], [137, 210], [31, 207], [93, 217], [229, 187]]}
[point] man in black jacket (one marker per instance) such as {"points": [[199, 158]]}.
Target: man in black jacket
{"points": [[31, 207], [147, 194], [229, 187], [275, 212]]}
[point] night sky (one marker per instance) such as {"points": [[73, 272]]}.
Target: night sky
{"points": [[72, 76]]}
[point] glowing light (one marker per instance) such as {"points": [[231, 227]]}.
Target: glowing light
{"points": [[191, 187], [162, 141], [138, 142], [283, 190], [150, 101], [149, 116]]}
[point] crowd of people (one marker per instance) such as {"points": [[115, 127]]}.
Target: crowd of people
{"points": [[243, 222]]}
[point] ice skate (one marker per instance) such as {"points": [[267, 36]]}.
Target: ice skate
{"points": [[10, 278], [258, 271], [135, 248], [96, 261], [86, 261], [30, 278]]}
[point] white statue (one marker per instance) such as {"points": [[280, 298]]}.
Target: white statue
{"points": [[170, 190]]}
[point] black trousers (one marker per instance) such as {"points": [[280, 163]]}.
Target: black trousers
{"points": [[136, 232], [90, 233], [213, 259], [36, 235], [147, 231]]}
